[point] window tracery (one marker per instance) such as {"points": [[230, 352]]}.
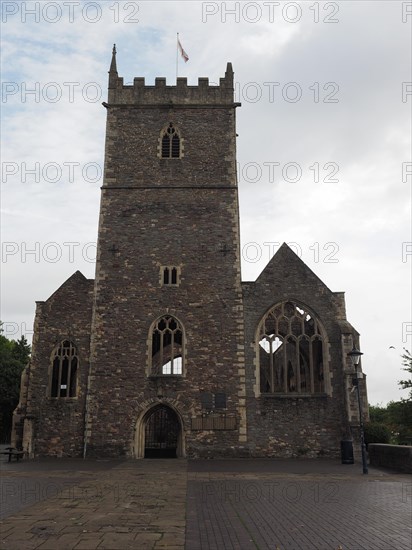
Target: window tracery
{"points": [[170, 143], [64, 370], [291, 351], [167, 347]]}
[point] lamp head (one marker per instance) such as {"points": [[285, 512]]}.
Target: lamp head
{"points": [[355, 355]]}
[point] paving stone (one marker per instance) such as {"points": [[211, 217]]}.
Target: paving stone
{"points": [[146, 538], [55, 543], [231, 506], [19, 544], [87, 544], [16, 534]]}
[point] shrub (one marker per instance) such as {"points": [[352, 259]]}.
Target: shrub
{"points": [[375, 432]]}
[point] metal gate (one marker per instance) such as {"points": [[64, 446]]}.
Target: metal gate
{"points": [[161, 433]]}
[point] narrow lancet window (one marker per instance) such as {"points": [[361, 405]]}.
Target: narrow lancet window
{"points": [[170, 143], [64, 371]]}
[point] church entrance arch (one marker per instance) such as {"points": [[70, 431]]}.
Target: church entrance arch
{"points": [[159, 433]]}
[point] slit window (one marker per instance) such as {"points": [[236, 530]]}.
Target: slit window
{"points": [[170, 275]]}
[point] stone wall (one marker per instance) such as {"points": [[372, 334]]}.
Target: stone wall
{"points": [[290, 425], [395, 457], [161, 94], [55, 426]]}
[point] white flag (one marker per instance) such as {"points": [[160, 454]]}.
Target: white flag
{"points": [[182, 52]]}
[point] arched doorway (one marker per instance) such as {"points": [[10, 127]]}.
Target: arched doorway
{"points": [[162, 433]]}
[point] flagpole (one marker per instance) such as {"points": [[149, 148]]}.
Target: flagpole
{"points": [[177, 54]]}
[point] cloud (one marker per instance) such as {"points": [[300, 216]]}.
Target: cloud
{"points": [[321, 98]]}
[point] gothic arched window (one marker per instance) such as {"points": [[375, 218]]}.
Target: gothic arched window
{"points": [[167, 347], [291, 351], [170, 143], [64, 370]]}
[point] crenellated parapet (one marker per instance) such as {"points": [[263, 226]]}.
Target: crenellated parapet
{"points": [[162, 94]]}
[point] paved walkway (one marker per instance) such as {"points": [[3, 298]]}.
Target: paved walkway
{"points": [[203, 505]]}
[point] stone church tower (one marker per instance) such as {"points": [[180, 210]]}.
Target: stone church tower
{"points": [[167, 324], [167, 352]]}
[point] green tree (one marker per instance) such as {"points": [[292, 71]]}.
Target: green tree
{"points": [[407, 366], [395, 417], [378, 414], [22, 350], [399, 420], [13, 358]]}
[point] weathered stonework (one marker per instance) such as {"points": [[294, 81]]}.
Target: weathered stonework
{"points": [[50, 426], [179, 212]]}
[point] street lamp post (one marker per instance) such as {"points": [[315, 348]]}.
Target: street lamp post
{"points": [[355, 355]]}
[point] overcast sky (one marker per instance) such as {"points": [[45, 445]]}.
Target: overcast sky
{"points": [[324, 146]]}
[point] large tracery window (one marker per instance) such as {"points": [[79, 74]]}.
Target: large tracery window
{"points": [[64, 370], [291, 351], [170, 143], [167, 347]]}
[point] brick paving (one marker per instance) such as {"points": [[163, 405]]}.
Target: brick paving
{"points": [[137, 504], [268, 512], [201, 505]]}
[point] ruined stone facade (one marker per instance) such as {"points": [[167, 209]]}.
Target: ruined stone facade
{"points": [[167, 352]]}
